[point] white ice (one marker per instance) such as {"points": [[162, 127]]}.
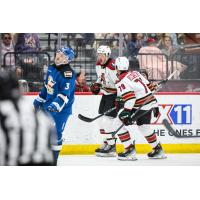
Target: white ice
{"points": [[92, 160]]}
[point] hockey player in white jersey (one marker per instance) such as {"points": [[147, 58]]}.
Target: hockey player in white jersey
{"points": [[132, 87], [107, 76]]}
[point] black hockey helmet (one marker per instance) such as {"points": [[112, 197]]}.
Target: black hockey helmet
{"points": [[9, 87]]}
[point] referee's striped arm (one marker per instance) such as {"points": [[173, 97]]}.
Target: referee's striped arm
{"points": [[25, 135]]}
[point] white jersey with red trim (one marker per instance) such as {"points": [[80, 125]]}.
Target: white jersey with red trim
{"points": [[134, 90], [107, 76]]}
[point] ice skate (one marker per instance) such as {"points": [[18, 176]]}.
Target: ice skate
{"points": [[129, 154], [157, 153], [101, 147], [106, 150]]}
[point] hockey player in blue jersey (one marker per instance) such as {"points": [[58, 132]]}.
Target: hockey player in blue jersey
{"points": [[57, 95]]}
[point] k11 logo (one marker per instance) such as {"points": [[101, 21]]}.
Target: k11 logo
{"points": [[175, 113]]}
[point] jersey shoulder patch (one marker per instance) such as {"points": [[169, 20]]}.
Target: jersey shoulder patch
{"points": [[68, 74]]}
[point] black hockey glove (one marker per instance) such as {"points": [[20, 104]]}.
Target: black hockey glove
{"points": [[156, 112], [95, 88], [119, 103], [125, 117]]}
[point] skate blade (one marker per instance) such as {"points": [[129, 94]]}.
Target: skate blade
{"points": [[105, 155], [158, 157], [127, 159]]}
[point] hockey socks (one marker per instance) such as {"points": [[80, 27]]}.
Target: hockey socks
{"points": [[125, 139], [108, 138], [129, 148], [152, 140], [149, 136]]}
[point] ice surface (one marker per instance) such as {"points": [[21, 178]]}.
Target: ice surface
{"points": [[92, 160]]}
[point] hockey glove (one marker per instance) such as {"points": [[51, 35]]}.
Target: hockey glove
{"points": [[53, 107], [95, 88], [156, 112], [119, 103], [125, 117], [38, 103]]}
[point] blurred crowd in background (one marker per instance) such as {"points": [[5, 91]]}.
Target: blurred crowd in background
{"points": [[29, 54]]}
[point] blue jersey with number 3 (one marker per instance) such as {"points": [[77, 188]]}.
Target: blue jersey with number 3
{"points": [[60, 81]]}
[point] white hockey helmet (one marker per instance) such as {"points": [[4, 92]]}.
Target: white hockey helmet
{"points": [[122, 63], [103, 49]]}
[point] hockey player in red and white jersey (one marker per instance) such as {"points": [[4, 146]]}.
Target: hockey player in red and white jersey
{"points": [[132, 87], [107, 76]]}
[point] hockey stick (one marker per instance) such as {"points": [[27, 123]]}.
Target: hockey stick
{"points": [[135, 119], [174, 133], [87, 119], [168, 78], [134, 114]]}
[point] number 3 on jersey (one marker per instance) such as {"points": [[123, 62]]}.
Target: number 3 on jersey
{"points": [[67, 86]]}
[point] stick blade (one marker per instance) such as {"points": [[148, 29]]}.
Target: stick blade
{"points": [[85, 119], [174, 133]]}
